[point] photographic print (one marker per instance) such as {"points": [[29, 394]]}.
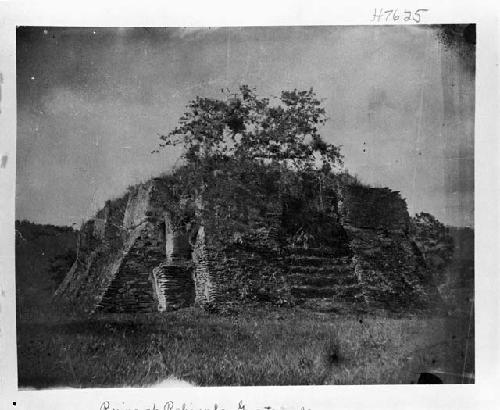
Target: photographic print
{"points": [[245, 206]]}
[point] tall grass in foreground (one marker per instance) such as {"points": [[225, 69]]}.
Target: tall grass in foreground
{"points": [[287, 347]]}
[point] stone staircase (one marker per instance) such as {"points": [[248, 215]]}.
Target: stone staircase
{"points": [[131, 290], [131, 293], [174, 286], [321, 278]]}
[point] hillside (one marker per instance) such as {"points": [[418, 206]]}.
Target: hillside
{"points": [[41, 251]]}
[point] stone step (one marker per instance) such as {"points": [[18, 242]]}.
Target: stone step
{"points": [[131, 284], [137, 296], [332, 253], [330, 268], [307, 291], [328, 304], [323, 281], [313, 271], [308, 261], [313, 291]]}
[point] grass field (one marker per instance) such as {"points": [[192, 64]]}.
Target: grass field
{"points": [[258, 347]]}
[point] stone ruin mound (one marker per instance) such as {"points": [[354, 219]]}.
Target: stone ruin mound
{"points": [[139, 254]]}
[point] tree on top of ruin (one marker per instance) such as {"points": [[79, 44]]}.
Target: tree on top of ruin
{"points": [[246, 127]]}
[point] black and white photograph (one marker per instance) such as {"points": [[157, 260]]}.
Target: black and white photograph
{"points": [[245, 206], [266, 205]]}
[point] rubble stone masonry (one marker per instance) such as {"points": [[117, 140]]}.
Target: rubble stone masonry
{"points": [[135, 256]]}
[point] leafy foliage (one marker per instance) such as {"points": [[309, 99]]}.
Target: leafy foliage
{"points": [[241, 150], [61, 264], [434, 241], [248, 127]]}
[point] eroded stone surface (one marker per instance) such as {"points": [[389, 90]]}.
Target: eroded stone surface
{"points": [[137, 255]]}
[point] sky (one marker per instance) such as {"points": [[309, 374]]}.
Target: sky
{"points": [[92, 102]]}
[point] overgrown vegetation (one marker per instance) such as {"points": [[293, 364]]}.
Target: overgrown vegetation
{"points": [[435, 242], [246, 127], [60, 265], [252, 148]]}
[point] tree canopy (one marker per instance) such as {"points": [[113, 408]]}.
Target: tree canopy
{"points": [[243, 126]]}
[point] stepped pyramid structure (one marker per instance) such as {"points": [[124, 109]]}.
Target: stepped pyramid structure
{"points": [[153, 250]]}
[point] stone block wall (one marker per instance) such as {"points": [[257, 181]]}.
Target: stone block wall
{"points": [[204, 289], [173, 286], [239, 261], [390, 273]]}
